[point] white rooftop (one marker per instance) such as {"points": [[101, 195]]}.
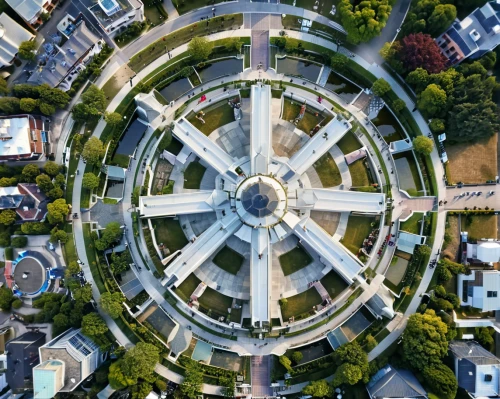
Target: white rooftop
{"points": [[15, 132], [11, 36], [27, 9], [407, 241], [260, 144]]}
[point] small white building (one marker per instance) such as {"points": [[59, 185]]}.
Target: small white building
{"points": [[480, 289], [30, 10], [113, 15], [11, 36], [486, 251]]}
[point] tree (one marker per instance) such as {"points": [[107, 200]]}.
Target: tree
{"points": [[61, 322], [28, 104], [44, 182], [318, 389], [437, 126], [441, 380], [55, 193], [111, 233], [27, 50], [441, 18], [297, 357], [421, 51], [339, 62], [140, 362], [26, 90], [7, 217], [94, 98], [17, 303], [286, 363], [113, 118], [72, 268], [60, 180], [347, 373], [46, 109], [432, 101], [381, 87], [200, 48], [193, 381], [9, 105], [93, 151], [424, 340], [228, 385], [351, 353], [423, 145], [19, 241], [51, 168], [371, 342], [141, 390], [57, 211], [54, 97], [117, 379], [83, 293], [233, 43], [398, 105], [111, 303], [58, 235], [4, 89], [8, 181], [90, 181], [120, 262], [93, 325], [6, 298], [365, 20], [485, 338], [30, 172], [469, 122]]}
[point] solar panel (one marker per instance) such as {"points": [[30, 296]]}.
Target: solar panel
{"points": [[260, 199]]}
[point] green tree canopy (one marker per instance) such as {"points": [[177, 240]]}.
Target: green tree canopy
{"points": [[44, 182], [58, 235], [27, 50], [28, 104], [339, 62], [140, 361], [398, 105], [93, 325], [353, 354], [441, 18], [424, 340], [432, 101], [318, 389], [113, 118], [7, 217], [297, 357], [200, 48], [111, 233], [6, 298], [112, 304], [93, 151], [51, 168], [423, 145], [57, 211], [30, 172], [117, 379], [193, 381], [10, 105], [441, 380], [90, 181], [381, 87], [4, 89], [286, 362], [19, 241], [120, 262]]}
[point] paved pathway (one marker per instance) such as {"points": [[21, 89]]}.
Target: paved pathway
{"points": [[261, 376]]}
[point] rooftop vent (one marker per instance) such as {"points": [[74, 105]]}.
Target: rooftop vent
{"points": [[488, 377], [474, 34]]}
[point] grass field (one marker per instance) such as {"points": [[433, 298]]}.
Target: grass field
{"points": [[359, 173], [412, 225], [349, 143], [334, 284], [308, 122], [220, 114], [154, 12], [473, 162], [193, 175], [187, 287], [480, 226], [229, 260], [294, 260], [328, 171], [169, 232], [358, 229], [214, 301], [184, 6], [301, 303], [451, 238]]}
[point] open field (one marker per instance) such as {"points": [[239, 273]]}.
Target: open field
{"points": [[451, 238], [301, 303], [358, 229], [480, 226], [412, 225], [473, 162], [220, 114], [294, 260], [193, 175], [334, 284], [168, 232], [229, 260], [328, 171]]}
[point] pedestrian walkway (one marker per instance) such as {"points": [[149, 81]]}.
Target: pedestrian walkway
{"points": [[261, 376], [323, 76]]}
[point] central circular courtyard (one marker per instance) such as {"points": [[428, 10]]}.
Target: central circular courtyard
{"points": [[260, 201]]}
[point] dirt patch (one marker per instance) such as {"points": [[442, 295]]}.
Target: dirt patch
{"points": [[452, 239], [473, 162]]}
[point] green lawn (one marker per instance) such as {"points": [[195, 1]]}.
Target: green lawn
{"points": [[92, 258], [154, 12], [308, 122], [301, 303], [349, 143], [187, 287], [358, 229], [213, 301], [412, 225], [414, 188], [294, 260], [184, 6], [181, 36], [328, 171], [175, 146], [229, 260], [220, 114], [169, 232], [193, 175], [334, 284], [480, 226], [69, 250]]}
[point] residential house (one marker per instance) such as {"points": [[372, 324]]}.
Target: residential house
{"points": [[476, 369], [115, 15], [480, 289], [29, 202], [22, 356], [23, 138], [474, 36], [61, 65], [65, 362], [31, 10], [11, 36], [389, 382], [484, 251]]}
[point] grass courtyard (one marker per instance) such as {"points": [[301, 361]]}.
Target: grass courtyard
{"points": [[193, 175], [358, 229], [169, 232], [300, 304], [187, 287], [220, 114], [480, 226], [229, 260], [412, 225], [294, 260], [328, 171], [334, 284], [308, 122], [349, 143], [359, 173]]}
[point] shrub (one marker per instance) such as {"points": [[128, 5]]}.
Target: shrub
{"points": [[19, 242], [17, 303]]}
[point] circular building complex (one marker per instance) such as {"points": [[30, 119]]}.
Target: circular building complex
{"points": [[28, 274]]}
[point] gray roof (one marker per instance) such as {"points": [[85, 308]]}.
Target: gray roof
{"points": [[148, 106], [115, 172], [473, 352], [260, 199], [181, 340], [391, 383]]}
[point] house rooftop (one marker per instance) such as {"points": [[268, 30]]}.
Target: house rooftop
{"points": [[11, 36], [391, 383], [27, 9]]}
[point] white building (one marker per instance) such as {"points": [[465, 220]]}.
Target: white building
{"points": [[480, 289], [486, 251], [65, 362], [30, 10], [115, 14], [11, 36]]}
